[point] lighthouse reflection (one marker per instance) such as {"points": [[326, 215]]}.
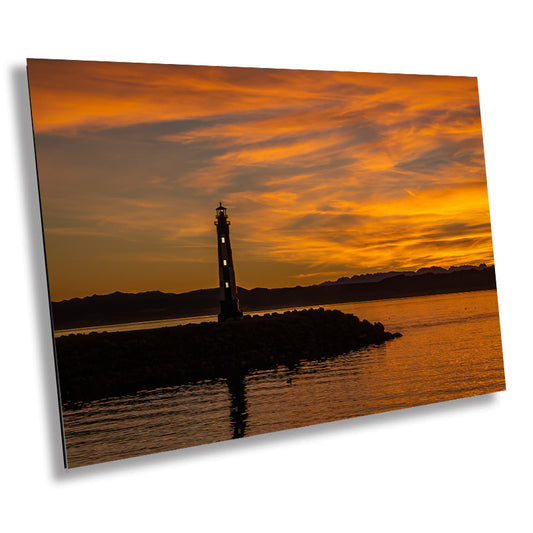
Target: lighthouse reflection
{"points": [[238, 413]]}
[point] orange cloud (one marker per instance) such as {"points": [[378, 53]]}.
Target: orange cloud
{"points": [[323, 172]]}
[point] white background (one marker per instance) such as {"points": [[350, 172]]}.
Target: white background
{"points": [[464, 465]]}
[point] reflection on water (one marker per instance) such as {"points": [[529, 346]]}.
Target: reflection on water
{"points": [[450, 349], [238, 414]]}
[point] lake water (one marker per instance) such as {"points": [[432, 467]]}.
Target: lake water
{"points": [[451, 348], [153, 324]]}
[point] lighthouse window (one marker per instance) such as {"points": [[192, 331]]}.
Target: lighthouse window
{"points": [[224, 262], [227, 284], [222, 240]]}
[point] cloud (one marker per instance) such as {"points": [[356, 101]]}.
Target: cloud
{"points": [[310, 222], [468, 150], [322, 172]]}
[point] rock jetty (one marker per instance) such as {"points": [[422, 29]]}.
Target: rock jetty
{"points": [[102, 365]]}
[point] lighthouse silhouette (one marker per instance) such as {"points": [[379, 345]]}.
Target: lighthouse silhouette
{"points": [[229, 304]]}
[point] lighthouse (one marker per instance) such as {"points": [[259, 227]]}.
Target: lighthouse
{"points": [[229, 304]]}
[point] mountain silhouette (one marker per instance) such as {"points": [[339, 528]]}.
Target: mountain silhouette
{"points": [[378, 276], [120, 307]]}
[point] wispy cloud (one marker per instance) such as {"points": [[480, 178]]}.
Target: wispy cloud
{"points": [[323, 172]]}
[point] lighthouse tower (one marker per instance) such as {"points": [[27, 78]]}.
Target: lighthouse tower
{"points": [[229, 304]]}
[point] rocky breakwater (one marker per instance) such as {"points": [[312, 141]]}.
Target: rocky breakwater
{"points": [[101, 365]]}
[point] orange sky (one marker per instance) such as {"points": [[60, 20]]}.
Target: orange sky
{"points": [[324, 174]]}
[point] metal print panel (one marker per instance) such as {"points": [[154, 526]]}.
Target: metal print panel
{"points": [[234, 251]]}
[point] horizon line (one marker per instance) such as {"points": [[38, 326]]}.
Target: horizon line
{"points": [[399, 272]]}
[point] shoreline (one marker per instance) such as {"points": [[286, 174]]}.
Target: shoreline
{"points": [[58, 332], [103, 365]]}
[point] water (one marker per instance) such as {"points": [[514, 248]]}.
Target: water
{"points": [[153, 324], [131, 326], [451, 348]]}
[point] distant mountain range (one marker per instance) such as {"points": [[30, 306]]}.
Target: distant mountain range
{"points": [[367, 278], [121, 307]]}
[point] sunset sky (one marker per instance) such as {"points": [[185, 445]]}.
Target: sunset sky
{"points": [[324, 174]]}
